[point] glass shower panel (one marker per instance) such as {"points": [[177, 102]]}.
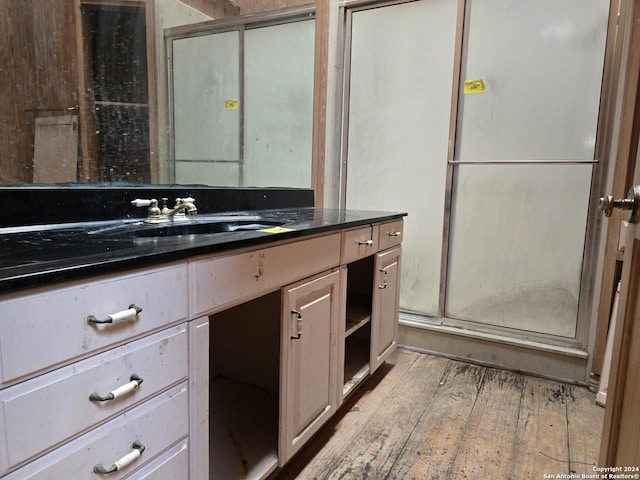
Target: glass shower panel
{"points": [[516, 245], [206, 115], [278, 115], [531, 79], [541, 64], [402, 60]]}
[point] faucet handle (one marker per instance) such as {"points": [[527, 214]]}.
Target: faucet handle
{"points": [[140, 202], [152, 203]]}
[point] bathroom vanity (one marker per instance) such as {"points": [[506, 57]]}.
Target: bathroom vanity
{"points": [[197, 356]]}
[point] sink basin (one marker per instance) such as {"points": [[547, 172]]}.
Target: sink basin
{"points": [[179, 228], [197, 225], [52, 243]]}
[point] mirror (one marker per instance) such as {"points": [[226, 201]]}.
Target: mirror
{"points": [[87, 95], [241, 102]]}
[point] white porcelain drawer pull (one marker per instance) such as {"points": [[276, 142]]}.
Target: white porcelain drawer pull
{"points": [[118, 392], [128, 314], [129, 458], [395, 234]]}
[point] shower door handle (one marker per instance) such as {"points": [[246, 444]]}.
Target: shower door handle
{"points": [[632, 203]]}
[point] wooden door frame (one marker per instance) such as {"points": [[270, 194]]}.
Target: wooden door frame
{"points": [[622, 144], [626, 162]]}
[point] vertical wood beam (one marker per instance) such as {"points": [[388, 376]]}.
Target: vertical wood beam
{"points": [[89, 164], [152, 88], [320, 100]]}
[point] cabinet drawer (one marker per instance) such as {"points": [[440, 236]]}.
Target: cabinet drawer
{"points": [[224, 281], [44, 329], [359, 243], [57, 406], [156, 424], [390, 234], [171, 465]]}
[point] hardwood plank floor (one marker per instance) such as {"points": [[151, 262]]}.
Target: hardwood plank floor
{"points": [[425, 417]]}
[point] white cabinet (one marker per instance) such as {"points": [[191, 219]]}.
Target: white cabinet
{"points": [[308, 381], [283, 361], [45, 328], [274, 373], [390, 234], [372, 286], [171, 465], [222, 281], [386, 296], [359, 243], [221, 366], [156, 425], [58, 405], [85, 374]]}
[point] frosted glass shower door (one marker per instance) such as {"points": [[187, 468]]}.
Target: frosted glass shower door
{"points": [[402, 60], [242, 102], [278, 116], [516, 248], [206, 124], [523, 162]]}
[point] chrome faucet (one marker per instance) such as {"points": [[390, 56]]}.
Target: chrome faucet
{"points": [[156, 215]]}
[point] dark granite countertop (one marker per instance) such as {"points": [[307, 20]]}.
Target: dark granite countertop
{"points": [[38, 255]]}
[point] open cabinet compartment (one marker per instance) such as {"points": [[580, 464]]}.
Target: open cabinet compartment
{"points": [[244, 389], [357, 349]]}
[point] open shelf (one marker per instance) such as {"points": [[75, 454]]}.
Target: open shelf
{"points": [[356, 359], [244, 426], [357, 349], [357, 316], [244, 389]]}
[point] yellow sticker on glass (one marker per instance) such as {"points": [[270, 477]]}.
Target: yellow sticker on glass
{"points": [[231, 104], [474, 86], [277, 230]]}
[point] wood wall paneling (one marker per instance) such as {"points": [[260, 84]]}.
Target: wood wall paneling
{"points": [[320, 100], [39, 69], [56, 66], [14, 63]]}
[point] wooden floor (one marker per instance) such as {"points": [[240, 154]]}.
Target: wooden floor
{"points": [[424, 417]]}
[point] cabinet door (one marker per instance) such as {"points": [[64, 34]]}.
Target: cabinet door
{"points": [[386, 297], [308, 369]]}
